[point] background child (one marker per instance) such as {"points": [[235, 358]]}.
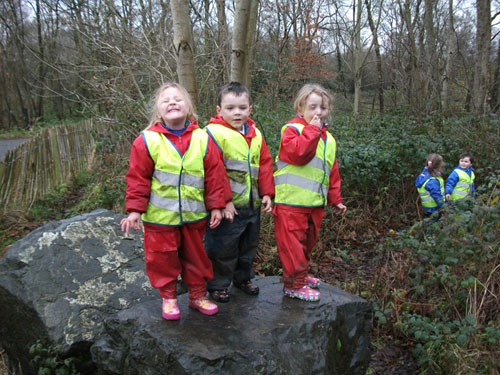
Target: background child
{"points": [[430, 185], [175, 176], [306, 180], [460, 183], [233, 245]]}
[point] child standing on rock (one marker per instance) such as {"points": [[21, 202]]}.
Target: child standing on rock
{"points": [[232, 246], [307, 179], [176, 177]]}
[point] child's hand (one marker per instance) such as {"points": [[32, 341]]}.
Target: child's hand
{"points": [[316, 121], [267, 204], [447, 197], [132, 221], [341, 209], [229, 212], [215, 218]]}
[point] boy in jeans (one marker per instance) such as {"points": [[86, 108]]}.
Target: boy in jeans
{"points": [[233, 245]]}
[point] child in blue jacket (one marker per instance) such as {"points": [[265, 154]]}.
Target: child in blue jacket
{"points": [[430, 185], [460, 182]]}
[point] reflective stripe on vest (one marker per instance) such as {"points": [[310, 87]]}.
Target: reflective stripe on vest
{"points": [[425, 196], [241, 162], [177, 186], [463, 188], [306, 185]]}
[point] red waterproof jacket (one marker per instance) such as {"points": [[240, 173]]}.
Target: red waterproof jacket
{"points": [[299, 149], [265, 178], [141, 170]]}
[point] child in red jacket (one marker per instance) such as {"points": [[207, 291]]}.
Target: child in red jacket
{"points": [[176, 176], [233, 245], [306, 180]]}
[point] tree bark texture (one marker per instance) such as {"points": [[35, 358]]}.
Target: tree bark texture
{"points": [[252, 25], [483, 35], [376, 46], [357, 51], [450, 54], [239, 52], [184, 47]]}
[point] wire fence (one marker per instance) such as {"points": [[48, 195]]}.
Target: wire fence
{"points": [[48, 159]]}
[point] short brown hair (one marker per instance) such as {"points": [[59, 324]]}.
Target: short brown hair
{"points": [[305, 91], [236, 88], [467, 155]]}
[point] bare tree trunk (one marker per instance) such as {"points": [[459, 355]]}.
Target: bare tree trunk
{"points": [[11, 117], [208, 40], [252, 25], [494, 101], [357, 52], [184, 47], [413, 95], [483, 34], [240, 37], [39, 113], [429, 77], [451, 50], [376, 45], [223, 42]]}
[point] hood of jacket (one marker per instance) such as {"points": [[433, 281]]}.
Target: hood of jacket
{"points": [[422, 177]]}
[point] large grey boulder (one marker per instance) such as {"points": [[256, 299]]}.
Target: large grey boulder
{"points": [[80, 285]]}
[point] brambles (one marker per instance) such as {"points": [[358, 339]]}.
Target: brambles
{"points": [[450, 308]]}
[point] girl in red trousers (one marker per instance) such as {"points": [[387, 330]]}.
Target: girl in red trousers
{"points": [[306, 180], [176, 176]]}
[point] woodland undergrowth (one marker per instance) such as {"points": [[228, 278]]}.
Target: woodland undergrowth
{"points": [[434, 287]]}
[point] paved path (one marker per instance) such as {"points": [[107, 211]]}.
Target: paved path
{"points": [[9, 144]]}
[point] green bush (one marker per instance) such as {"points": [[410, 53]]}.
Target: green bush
{"points": [[450, 308]]}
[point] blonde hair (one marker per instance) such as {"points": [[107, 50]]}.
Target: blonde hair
{"points": [[155, 113], [305, 91], [434, 163]]}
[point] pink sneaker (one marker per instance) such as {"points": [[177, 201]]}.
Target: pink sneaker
{"points": [[312, 282], [305, 293], [170, 310], [204, 306]]}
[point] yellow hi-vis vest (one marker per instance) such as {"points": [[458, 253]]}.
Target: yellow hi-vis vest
{"points": [[177, 188], [463, 187], [241, 162], [425, 196], [305, 185]]}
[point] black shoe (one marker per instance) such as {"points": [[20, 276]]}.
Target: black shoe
{"points": [[247, 287], [221, 295]]}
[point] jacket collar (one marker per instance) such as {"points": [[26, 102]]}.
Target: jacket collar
{"points": [[160, 128], [251, 125]]}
